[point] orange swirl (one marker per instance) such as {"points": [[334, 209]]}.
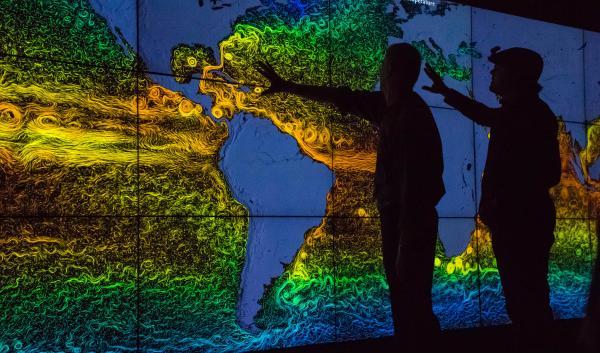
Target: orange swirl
{"points": [[11, 117]]}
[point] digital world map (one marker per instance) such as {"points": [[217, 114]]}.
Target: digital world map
{"points": [[152, 199]]}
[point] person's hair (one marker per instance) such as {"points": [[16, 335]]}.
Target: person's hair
{"points": [[405, 58]]}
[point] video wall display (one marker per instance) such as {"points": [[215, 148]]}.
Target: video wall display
{"points": [[151, 199]]}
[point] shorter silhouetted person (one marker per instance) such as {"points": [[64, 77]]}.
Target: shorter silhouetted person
{"points": [[408, 184], [523, 163], [590, 332]]}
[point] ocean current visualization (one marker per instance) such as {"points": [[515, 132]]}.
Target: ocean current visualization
{"points": [[152, 199]]}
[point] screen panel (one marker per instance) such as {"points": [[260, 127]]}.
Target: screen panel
{"points": [[195, 164], [68, 139], [594, 240], [355, 141], [271, 147], [235, 167], [361, 290], [563, 64], [275, 252], [68, 284], [121, 18], [457, 136], [172, 35], [299, 307], [571, 197], [357, 56], [481, 142], [493, 304], [189, 275], [568, 275], [361, 278], [356, 50], [353, 192], [69, 31], [570, 268], [591, 166], [571, 248], [455, 291], [592, 75], [222, 283], [269, 174], [441, 31]]}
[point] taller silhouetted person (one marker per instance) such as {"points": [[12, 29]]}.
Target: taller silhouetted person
{"points": [[523, 163], [408, 184]]}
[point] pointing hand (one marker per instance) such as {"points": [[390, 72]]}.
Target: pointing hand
{"points": [[438, 85], [277, 84]]}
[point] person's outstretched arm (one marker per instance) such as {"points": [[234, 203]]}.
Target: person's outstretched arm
{"points": [[478, 112], [360, 103]]}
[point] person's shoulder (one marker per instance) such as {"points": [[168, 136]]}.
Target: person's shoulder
{"points": [[373, 97], [416, 99], [541, 118], [540, 103], [420, 117], [544, 110], [416, 104], [370, 94]]}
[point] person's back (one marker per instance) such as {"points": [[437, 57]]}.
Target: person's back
{"points": [[418, 183], [408, 186], [589, 336], [523, 219], [523, 160], [409, 152]]}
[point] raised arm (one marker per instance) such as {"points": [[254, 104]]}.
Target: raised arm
{"points": [[478, 112], [360, 103]]}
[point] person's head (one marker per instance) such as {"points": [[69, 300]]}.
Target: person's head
{"points": [[516, 71], [400, 69]]}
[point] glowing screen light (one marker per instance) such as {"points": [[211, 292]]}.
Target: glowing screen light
{"points": [[152, 199]]}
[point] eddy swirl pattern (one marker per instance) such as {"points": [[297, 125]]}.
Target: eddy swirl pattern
{"points": [[119, 229]]}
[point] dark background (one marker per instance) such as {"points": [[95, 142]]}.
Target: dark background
{"points": [[575, 13]]}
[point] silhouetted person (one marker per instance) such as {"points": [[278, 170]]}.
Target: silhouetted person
{"points": [[523, 163], [590, 332], [408, 184]]}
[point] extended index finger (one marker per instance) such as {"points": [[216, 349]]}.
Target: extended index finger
{"points": [[266, 70], [266, 66], [261, 71], [430, 71]]}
